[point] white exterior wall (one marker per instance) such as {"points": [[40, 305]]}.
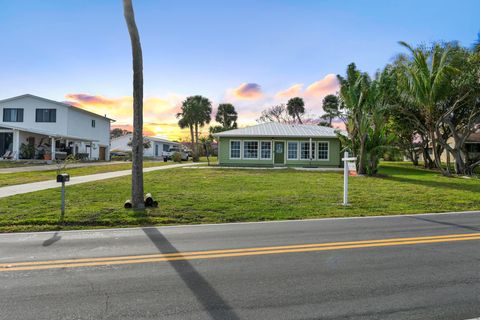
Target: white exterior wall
{"points": [[80, 125], [121, 144], [29, 104], [70, 122]]}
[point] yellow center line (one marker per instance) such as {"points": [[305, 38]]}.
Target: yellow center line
{"points": [[190, 253], [91, 262]]}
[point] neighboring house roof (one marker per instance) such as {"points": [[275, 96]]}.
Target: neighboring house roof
{"points": [[121, 143], [49, 134], [275, 129], [474, 137], [56, 102], [157, 139]]}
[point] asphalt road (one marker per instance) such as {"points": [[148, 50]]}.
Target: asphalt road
{"points": [[316, 269]]}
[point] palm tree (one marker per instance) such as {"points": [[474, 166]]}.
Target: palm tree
{"points": [[196, 113], [354, 92], [296, 107], [428, 75], [186, 121], [137, 139], [227, 116]]}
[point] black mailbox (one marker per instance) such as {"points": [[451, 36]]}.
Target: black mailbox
{"points": [[64, 177]]}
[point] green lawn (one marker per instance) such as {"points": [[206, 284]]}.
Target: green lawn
{"points": [[8, 179], [229, 195]]}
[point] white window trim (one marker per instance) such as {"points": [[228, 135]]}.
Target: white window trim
{"points": [[230, 150], [243, 149], [298, 150], [260, 149], [313, 153], [328, 150]]}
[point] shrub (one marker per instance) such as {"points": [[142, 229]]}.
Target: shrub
{"points": [[27, 151], [177, 157], [118, 158]]}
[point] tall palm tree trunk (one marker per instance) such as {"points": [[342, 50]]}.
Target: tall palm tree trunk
{"points": [[192, 136], [197, 156], [137, 139]]}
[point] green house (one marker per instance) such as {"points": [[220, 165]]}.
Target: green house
{"points": [[275, 144]]}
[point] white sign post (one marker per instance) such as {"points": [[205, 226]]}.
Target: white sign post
{"points": [[346, 159]]}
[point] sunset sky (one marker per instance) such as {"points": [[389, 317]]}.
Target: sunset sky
{"points": [[253, 54]]}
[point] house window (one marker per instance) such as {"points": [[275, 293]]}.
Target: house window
{"points": [[250, 149], [235, 149], [45, 115], [323, 151], [292, 153], [473, 147], [305, 150], [93, 123], [166, 147], [266, 150], [12, 115]]}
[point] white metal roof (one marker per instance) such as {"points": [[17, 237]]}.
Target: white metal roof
{"points": [[275, 129]]}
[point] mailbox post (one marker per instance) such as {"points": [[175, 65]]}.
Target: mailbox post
{"points": [[346, 159], [64, 177]]}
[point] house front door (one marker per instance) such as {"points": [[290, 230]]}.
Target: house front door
{"points": [[102, 153], [279, 152]]}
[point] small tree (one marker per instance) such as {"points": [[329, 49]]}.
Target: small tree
{"points": [[146, 143], [118, 132], [207, 147], [331, 106], [278, 113], [177, 157]]}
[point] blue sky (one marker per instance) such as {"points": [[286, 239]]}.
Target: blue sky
{"points": [[58, 49]]}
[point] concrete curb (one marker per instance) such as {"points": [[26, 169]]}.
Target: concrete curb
{"points": [[244, 223]]}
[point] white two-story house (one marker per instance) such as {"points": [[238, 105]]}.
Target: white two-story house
{"points": [[32, 127]]}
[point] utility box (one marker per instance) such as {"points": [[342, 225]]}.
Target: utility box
{"points": [[64, 177]]}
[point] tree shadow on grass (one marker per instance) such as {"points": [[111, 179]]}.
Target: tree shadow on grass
{"points": [[211, 301], [436, 184], [446, 223]]}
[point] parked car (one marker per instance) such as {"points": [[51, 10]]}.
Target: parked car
{"points": [[184, 154]]}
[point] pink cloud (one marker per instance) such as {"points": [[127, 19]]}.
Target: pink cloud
{"points": [[247, 91], [293, 91], [328, 85], [90, 99]]}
